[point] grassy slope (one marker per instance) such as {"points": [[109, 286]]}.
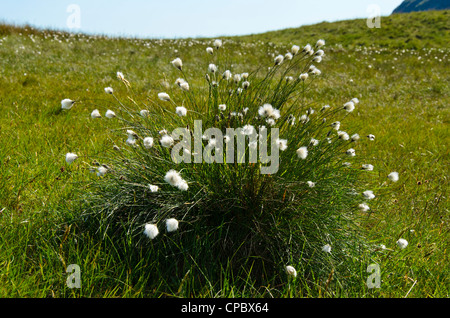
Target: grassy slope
{"points": [[404, 102]]}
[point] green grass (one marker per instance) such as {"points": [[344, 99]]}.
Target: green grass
{"points": [[403, 101]]}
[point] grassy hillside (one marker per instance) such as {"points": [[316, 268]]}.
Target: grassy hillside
{"points": [[400, 74], [415, 30]]}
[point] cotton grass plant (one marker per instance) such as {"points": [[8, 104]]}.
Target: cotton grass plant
{"points": [[230, 214]]}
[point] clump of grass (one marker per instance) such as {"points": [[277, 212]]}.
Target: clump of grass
{"points": [[222, 209]]}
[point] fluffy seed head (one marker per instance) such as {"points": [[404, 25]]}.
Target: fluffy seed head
{"points": [[178, 63], [70, 157], [164, 96], [393, 176], [291, 271], [368, 194], [110, 114], [171, 225], [181, 111], [326, 248], [95, 114], [67, 103], [166, 141], [402, 243], [109, 90], [302, 152], [148, 142], [151, 231]]}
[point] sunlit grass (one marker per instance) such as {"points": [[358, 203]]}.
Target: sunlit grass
{"points": [[403, 101]]}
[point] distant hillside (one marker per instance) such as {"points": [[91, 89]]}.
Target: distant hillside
{"points": [[413, 30], [422, 5]]}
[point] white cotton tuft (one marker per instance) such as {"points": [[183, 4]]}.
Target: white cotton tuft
{"points": [[393, 176], [67, 103], [171, 225], [402, 243], [95, 114], [71, 157], [291, 271], [148, 142], [110, 114], [302, 152], [181, 111], [166, 141], [151, 231]]}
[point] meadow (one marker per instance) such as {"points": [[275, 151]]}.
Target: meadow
{"points": [[399, 73]]}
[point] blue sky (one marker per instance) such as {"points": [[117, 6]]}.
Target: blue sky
{"points": [[184, 18]]}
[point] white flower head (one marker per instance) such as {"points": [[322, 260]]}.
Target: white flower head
{"points": [[226, 75], [178, 63], [148, 142], [184, 86], [343, 135], [363, 207], [174, 178], [109, 90], [320, 43], [336, 125], [70, 157], [181, 111], [164, 96], [288, 56], [326, 248], [222, 107], [351, 152], [304, 76], [110, 114], [166, 141], [248, 130], [101, 171], [282, 144], [371, 137], [402, 243], [171, 225], [95, 114], [210, 50], [120, 76], [355, 137], [314, 142], [218, 44], [349, 106], [279, 59], [153, 188], [295, 49], [302, 152], [367, 167], [144, 113], [311, 184], [369, 194], [212, 68], [291, 271], [393, 176], [151, 231], [267, 110], [67, 103]]}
